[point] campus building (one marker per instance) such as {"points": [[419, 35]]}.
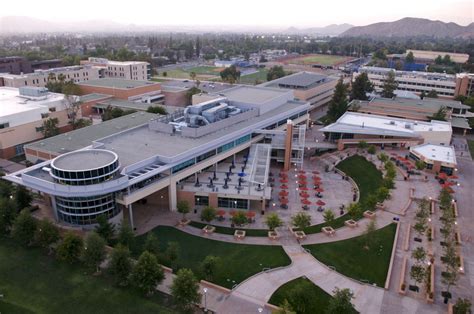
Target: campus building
{"points": [[437, 158], [213, 153], [40, 78], [314, 88], [22, 113], [416, 109], [127, 70], [353, 127]]}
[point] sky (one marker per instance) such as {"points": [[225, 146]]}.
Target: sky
{"points": [[265, 13]]}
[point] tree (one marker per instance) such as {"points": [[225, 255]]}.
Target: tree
{"points": [[450, 275], [185, 289], [46, 233], [24, 228], [432, 94], [273, 221], [70, 248], [361, 86], [423, 94], [275, 72], [208, 214], [419, 254], [183, 208], [192, 75], [369, 233], [328, 216], [157, 109], [389, 85], [362, 145], [192, 91], [383, 193], [341, 302], [447, 60], [301, 220], [440, 115], [125, 235], [120, 265], [300, 296], [462, 306], [420, 164], [172, 252], [22, 197], [230, 74], [152, 244], [285, 308], [8, 214], [82, 123], [354, 210], [50, 127], [239, 218], [439, 60], [209, 266], [409, 58], [338, 104], [420, 228], [94, 251], [371, 150], [147, 273], [104, 228], [418, 273], [72, 103]]}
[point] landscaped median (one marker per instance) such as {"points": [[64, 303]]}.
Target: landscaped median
{"points": [[230, 231], [365, 258], [236, 263]]}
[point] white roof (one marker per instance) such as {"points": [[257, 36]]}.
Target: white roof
{"points": [[440, 153], [17, 110], [360, 123]]}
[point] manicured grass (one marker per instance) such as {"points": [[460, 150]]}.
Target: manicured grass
{"points": [[351, 258], [237, 261], [33, 282], [260, 76], [317, 297], [205, 70], [367, 177], [229, 230], [470, 143], [320, 59]]}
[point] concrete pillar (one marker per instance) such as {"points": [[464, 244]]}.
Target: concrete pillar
{"points": [[263, 206], [464, 132], [130, 215], [53, 205], [172, 196], [288, 140]]}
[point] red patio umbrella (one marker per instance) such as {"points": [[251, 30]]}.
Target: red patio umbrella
{"points": [[443, 176], [302, 176], [283, 181], [303, 188], [283, 198], [284, 201], [306, 202], [250, 214], [283, 174], [304, 195], [320, 203], [454, 177], [284, 186], [220, 212], [232, 213], [450, 190], [319, 190], [315, 172], [283, 193], [316, 178], [302, 171]]}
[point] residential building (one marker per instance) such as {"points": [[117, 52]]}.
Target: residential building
{"points": [[40, 78], [152, 166], [127, 70], [22, 113], [352, 128]]}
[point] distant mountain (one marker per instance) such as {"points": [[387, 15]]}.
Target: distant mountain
{"points": [[411, 27], [330, 30]]}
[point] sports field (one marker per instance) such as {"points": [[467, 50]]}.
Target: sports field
{"points": [[325, 60], [202, 72]]}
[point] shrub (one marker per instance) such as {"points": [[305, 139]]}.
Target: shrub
{"points": [[70, 248], [208, 214]]}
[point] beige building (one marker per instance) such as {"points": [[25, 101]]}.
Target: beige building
{"points": [[22, 114], [40, 78], [128, 70]]}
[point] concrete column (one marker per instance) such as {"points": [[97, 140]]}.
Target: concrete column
{"points": [[464, 132], [263, 205], [172, 196], [130, 215], [53, 205], [288, 140]]}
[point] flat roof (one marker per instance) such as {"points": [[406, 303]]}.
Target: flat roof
{"points": [[459, 122], [80, 138], [252, 94], [93, 96], [353, 122], [441, 153], [442, 77], [205, 86], [300, 80], [433, 103], [84, 160], [117, 83]]}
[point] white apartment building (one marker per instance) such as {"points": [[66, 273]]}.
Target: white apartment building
{"points": [[40, 78], [128, 70], [443, 84]]}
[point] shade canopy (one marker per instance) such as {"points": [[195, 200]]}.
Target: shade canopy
{"points": [[320, 203], [306, 202], [284, 186], [319, 190], [220, 212]]}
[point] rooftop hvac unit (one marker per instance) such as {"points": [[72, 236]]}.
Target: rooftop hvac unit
{"points": [[392, 122], [407, 126]]}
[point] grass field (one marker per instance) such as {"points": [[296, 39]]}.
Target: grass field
{"points": [[237, 261], [260, 76], [470, 143], [33, 282], [318, 299], [367, 178], [352, 259], [231, 231], [326, 60], [202, 72]]}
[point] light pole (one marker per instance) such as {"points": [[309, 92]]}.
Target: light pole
{"points": [[205, 299], [260, 310]]}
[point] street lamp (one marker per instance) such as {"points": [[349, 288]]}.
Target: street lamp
{"points": [[260, 310], [205, 299]]}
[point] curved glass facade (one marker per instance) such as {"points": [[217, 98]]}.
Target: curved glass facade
{"points": [[85, 177], [85, 210]]}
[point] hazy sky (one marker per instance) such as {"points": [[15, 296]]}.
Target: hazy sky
{"points": [[242, 12]]}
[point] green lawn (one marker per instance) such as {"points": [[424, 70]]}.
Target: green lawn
{"points": [[318, 298], [470, 143], [367, 177], [202, 72], [33, 282], [319, 59], [229, 230], [237, 261], [351, 258], [206, 70], [260, 76]]}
